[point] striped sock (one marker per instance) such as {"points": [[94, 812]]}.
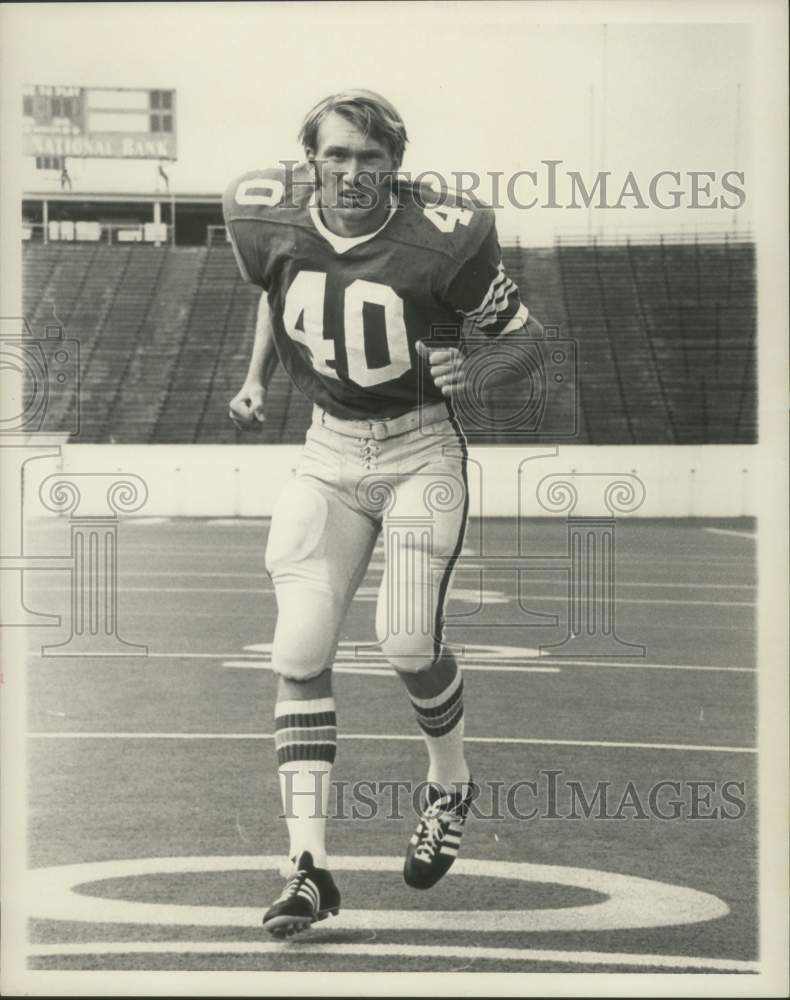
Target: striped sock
{"points": [[305, 736], [441, 719]]}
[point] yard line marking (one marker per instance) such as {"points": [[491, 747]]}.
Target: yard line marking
{"points": [[508, 664], [647, 584], [657, 600], [364, 668], [143, 522], [399, 951], [604, 743], [607, 664], [731, 531], [254, 591], [652, 558], [491, 577], [389, 737], [237, 521], [369, 667], [66, 587], [504, 664], [653, 624], [375, 668]]}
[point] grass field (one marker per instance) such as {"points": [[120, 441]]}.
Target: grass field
{"points": [[154, 836]]}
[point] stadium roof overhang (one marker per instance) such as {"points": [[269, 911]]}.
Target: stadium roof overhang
{"points": [[123, 197]]}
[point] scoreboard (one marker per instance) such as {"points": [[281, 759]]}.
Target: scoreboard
{"points": [[105, 122]]}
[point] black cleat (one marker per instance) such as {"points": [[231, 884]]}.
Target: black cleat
{"points": [[434, 844], [310, 894]]}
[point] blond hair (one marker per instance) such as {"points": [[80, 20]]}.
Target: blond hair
{"points": [[368, 112]]}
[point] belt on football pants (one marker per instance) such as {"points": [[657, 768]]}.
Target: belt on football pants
{"points": [[380, 430]]}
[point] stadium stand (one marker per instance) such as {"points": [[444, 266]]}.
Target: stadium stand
{"points": [[665, 335]]}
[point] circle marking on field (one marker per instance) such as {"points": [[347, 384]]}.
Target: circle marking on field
{"points": [[631, 902]]}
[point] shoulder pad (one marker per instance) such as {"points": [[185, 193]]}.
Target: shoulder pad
{"points": [[260, 192], [443, 220]]}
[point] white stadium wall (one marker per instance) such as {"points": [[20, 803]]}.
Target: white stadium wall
{"points": [[244, 481]]}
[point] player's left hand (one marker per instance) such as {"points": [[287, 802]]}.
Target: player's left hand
{"points": [[446, 365]]}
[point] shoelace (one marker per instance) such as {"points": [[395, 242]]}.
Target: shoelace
{"points": [[432, 830], [293, 885]]}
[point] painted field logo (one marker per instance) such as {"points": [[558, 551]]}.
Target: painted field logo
{"points": [[627, 903]]}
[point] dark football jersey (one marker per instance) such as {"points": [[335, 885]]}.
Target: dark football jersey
{"points": [[348, 312]]}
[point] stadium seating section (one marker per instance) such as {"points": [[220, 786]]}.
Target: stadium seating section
{"points": [[664, 334]]}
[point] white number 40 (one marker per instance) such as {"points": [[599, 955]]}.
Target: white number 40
{"points": [[303, 318]]}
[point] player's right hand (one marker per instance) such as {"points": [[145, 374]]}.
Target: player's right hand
{"points": [[246, 407]]}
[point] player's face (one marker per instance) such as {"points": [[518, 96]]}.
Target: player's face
{"points": [[354, 175]]}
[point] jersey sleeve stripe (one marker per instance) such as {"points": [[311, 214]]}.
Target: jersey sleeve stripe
{"points": [[512, 318], [521, 317], [498, 281], [497, 305]]}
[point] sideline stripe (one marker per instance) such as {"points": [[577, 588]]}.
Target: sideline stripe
{"points": [[395, 949], [388, 737], [731, 531]]}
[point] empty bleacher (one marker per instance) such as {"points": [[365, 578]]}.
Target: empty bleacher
{"points": [[665, 337]]}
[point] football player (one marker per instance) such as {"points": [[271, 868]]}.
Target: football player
{"points": [[359, 268]]}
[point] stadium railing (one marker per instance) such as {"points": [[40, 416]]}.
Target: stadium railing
{"points": [[623, 235], [67, 231]]}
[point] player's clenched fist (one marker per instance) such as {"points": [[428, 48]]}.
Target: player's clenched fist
{"points": [[446, 366], [246, 407]]}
